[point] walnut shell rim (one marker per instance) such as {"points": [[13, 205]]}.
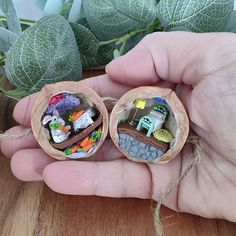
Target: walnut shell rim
{"points": [[42, 102], [177, 107]]}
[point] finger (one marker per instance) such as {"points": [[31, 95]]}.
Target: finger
{"points": [[28, 164], [101, 84], [178, 57], [120, 178], [10, 146], [107, 152]]}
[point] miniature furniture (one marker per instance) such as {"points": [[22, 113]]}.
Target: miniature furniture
{"points": [[154, 120]]}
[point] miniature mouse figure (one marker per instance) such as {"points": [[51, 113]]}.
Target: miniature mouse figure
{"points": [[58, 130], [82, 119]]}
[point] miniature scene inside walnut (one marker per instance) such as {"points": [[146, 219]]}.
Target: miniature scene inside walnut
{"points": [[73, 124], [147, 129]]}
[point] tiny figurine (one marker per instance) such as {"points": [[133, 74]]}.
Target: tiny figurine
{"points": [[81, 119], [139, 104], [58, 130]]}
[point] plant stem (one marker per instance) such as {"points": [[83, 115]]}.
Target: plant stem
{"points": [[123, 40], [103, 43], [21, 20], [2, 60]]}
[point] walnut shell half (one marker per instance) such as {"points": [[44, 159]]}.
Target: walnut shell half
{"points": [[149, 124], [57, 145]]}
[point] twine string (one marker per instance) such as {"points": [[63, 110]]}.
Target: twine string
{"points": [[197, 148], [194, 140]]}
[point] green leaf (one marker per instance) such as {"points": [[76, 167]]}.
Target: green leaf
{"points": [[231, 27], [104, 56], [195, 15], [76, 12], [2, 24], [2, 72], [66, 8], [86, 41], [53, 6], [9, 10], [110, 19], [40, 3], [16, 94], [6, 39], [44, 53]]}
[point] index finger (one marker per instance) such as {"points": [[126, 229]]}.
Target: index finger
{"points": [[101, 84]]}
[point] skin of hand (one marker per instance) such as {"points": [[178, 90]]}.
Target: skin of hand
{"points": [[201, 68]]}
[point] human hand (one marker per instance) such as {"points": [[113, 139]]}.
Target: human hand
{"points": [[200, 68]]}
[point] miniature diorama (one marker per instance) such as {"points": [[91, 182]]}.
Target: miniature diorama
{"points": [[144, 131], [69, 125], [145, 124], [73, 124]]}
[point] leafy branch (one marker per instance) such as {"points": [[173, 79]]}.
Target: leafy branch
{"points": [[22, 20], [123, 40], [91, 33]]}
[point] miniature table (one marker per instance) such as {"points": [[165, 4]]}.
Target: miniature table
{"points": [[34, 209]]}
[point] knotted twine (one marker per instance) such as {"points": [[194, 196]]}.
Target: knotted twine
{"points": [[192, 140]]}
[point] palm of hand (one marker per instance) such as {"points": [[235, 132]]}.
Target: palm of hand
{"points": [[210, 189]]}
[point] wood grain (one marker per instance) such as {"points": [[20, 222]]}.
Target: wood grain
{"points": [[33, 209]]}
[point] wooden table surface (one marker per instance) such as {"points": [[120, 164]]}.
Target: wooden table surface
{"points": [[33, 209]]}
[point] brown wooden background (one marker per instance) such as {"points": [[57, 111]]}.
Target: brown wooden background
{"points": [[33, 209]]}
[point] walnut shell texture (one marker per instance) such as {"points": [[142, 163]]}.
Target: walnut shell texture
{"points": [[181, 127], [41, 105]]}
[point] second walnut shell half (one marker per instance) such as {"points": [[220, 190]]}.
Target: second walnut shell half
{"points": [[149, 124], [69, 120]]}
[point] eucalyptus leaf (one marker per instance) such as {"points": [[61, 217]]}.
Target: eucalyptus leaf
{"points": [[110, 19], [6, 39], [231, 27], [66, 8], [53, 6], [196, 16], [76, 12], [86, 40], [44, 53], [2, 24], [16, 94], [83, 21], [2, 71], [104, 56], [40, 3], [9, 10]]}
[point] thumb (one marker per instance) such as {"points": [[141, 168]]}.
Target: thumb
{"points": [[177, 57]]}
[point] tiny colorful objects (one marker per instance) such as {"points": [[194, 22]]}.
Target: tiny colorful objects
{"points": [[153, 133], [85, 146], [82, 120], [163, 135], [153, 121], [62, 103], [58, 130], [139, 103], [71, 124]]}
